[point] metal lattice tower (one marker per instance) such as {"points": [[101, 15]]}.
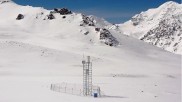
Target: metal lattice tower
{"points": [[87, 77]]}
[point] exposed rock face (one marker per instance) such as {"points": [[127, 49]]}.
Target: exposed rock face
{"points": [[97, 29], [167, 34], [107, 38], [62, 11], [87, 21], [20, 16], [64, 17], [137, 19], [50, 16], [4, 1], [161, 27], [86, 33]]}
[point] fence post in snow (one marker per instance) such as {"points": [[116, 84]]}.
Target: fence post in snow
{"points": [[65, 89], [59, 88], [80, 91], [51, 87]]}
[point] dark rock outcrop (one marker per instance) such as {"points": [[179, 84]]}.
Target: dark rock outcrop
{"points": [[64, 17], [62, 11], [107, 37], [20, 16], [50, 16], [87, 21], [97, 29], [4, 1], [86, 33], [164, 35]]}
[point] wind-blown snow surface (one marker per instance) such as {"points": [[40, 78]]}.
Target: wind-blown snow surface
{"points": [[161, 26], [35, 53]]}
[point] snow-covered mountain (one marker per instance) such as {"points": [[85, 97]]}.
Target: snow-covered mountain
{"points": [[62, 22], [160, 26], [39, 47]]}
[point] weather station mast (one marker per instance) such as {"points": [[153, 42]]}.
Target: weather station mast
{"points": [[87, 77]]}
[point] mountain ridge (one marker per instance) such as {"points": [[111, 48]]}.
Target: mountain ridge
{"points": [[47, 21], [96, 30], [39, 48], [151, 24]]}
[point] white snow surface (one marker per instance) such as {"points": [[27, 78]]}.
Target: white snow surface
{"points": [[34, 53]]}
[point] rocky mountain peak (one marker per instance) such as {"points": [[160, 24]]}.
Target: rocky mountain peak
{"points": [[160, 26], [5, 1], [169, 4]]}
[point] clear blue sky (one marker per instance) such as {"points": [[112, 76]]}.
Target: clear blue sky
{"points": [[115, 11]]}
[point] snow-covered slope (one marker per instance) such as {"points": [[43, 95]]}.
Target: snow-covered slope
{"points": [[161, 26], [39, 47], [64, 23]]}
